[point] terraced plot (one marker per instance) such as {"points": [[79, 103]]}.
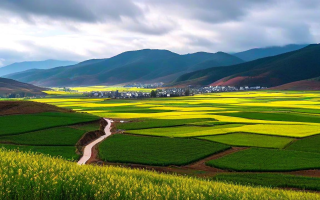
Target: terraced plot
{"points": [[185, 131], [59, 136], [250, 140], [156, 150], [308, 144], [258, 159], [16, 124]]}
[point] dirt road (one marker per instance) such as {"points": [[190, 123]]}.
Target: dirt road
{"points": [[87, 152]]}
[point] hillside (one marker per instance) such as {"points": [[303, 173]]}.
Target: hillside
{"points": [[268, 72], [27, 107], [253, 54], [60, 179], [310, 84], [11, 88], [133, 66], [22, 66]]}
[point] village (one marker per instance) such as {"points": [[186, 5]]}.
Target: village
{"points": [[169, 92]]}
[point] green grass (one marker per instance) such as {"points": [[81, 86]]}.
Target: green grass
{"points": [[60, 136], [248, 139], [184, 131], [65, 152], [15, 124], [259, 159], [293, 117], [155, 123], [87, 127], [271, 180], [156, 150], [308, 144]]}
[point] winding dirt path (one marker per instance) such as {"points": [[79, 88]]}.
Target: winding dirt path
{"points": [[87, 152]]}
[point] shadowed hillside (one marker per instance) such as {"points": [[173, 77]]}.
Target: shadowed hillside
{"points": [[132, 66], [268, 72], [12, 88]]}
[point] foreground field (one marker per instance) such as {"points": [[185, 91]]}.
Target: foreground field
{"points": [[271, 180], [29, 176]]}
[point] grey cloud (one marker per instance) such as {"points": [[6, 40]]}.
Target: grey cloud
{"points": [[212, 11], [77, 10]]}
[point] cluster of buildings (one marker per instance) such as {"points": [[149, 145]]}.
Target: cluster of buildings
{"points": [[169, 92], [143, 85], [118, 95]]}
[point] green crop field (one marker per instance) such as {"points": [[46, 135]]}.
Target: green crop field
{"points": [[293, 117], [251, 140], [156, 150], [185, 131], [308, 144], [155, 123], [16, 124], [271, 180], [87, 127], [59, 136], [65, 152], [258, 159]]}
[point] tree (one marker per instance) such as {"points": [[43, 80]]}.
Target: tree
{"points": [[187, 92], [153, 93]]}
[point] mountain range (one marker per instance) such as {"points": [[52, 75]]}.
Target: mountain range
{"points": [[256, 53], [22, 66], [268, 72], [133, 66]]}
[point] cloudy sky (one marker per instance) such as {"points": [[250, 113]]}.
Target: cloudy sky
{"points": [[79, 30]]}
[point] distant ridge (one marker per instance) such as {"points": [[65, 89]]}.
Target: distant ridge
{"points": [[147, 65], [253, 54], [268, 72], [22, 66]]}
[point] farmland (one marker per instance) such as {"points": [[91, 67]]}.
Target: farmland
{"points": [[156, 150], [53, 133], [60, 179], [258, 159], [264, 131]]}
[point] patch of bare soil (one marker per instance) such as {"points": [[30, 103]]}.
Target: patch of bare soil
{"points": [[310, 173]]}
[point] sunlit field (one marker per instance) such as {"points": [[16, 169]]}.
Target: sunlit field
{"points": [[291, 114], [32, 176]]}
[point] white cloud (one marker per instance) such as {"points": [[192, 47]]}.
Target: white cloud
{"points": [[78, 30]]}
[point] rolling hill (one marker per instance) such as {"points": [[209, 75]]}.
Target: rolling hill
{"points": [[133, 66], [253, 54], [22, 66], [309, 84], [11, 88], [268, 72]]}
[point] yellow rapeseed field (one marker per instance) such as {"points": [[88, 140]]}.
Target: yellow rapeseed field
{"points": [[35, 176]]}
